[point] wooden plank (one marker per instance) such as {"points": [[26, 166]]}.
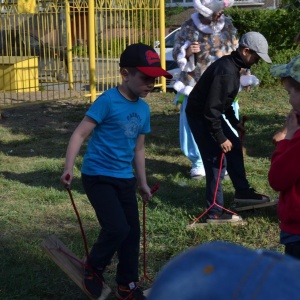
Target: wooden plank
{"points": [[69, 263], [202, 225], [255, 206]]}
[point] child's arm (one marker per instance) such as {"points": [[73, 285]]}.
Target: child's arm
{"points": [[79, 135], [140, 170]]}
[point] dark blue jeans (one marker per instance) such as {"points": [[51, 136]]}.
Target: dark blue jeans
{"points": [[293, 249], [115, 203], [211, 153]]}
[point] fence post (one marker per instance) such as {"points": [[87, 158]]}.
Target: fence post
{"points": [[92, 62], [69, 45], [162, 41]]}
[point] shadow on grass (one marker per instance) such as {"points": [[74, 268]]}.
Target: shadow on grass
{"points": [[46, 129], [25, 274], [40, 130], [260, 130], [176, 190], [45, 179]]}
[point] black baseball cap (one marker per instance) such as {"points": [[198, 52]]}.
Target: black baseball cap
{"points": [[144, 58]]}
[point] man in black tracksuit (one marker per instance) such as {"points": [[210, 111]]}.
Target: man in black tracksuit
{"points": [[211, 97]]}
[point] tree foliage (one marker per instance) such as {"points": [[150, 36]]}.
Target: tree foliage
{"points": [[290, 4], [278, 26]]}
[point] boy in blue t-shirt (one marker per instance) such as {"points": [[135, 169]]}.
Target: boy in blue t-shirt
{"points": [[118, 121]]}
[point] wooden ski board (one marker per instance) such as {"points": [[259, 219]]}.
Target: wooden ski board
{"points": [[255, 206], [63, 257], [202, 225]]}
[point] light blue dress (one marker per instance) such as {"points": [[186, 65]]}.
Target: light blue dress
{"points": [[187, 143]]}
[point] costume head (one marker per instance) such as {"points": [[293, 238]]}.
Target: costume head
{"points": [[256, 42], [144, 58], [207, 7], [292, 69]]}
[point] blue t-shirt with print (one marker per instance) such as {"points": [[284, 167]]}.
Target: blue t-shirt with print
{"points": [[110, 150]]}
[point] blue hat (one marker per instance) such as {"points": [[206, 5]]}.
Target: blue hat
{"points": [[222, 271]]}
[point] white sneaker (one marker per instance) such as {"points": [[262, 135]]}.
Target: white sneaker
{"points": [[197, 173]]}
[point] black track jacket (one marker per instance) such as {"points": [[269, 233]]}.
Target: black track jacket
{"points": [[215, 92]]}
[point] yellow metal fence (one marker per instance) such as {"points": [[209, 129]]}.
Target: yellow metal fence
{"points": [[70, 49]]}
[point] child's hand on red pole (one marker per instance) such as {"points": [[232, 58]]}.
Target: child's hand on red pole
{"points": [[66, 179], [146, 193]]}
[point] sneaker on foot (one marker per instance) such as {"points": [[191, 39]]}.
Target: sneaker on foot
{"points": [[93, 281], [223, 217], [197, 173], [250, 196], [130, 292]]}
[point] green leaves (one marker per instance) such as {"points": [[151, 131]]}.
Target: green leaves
{"points": [[279, 26]]}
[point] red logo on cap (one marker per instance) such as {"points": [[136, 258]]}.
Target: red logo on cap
{"points": [[152, 57]]}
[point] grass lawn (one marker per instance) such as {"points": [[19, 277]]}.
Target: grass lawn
{"points": [[34, 205]]}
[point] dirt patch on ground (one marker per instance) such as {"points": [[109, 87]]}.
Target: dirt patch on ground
{"points": [[14, 98], [40, 117]]}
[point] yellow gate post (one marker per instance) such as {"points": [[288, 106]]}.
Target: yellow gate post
{"points": [[92, 50], [162, 41]]}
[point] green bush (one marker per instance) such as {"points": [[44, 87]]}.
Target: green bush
{"points": [[114, 47], [279, 27], [173, 11], [262, 69], [290, 4]]}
